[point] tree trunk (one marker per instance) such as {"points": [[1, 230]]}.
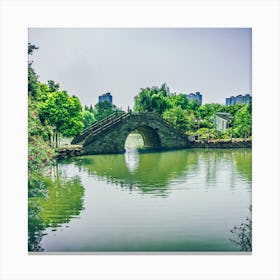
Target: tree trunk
{"points": [[56, 140]]}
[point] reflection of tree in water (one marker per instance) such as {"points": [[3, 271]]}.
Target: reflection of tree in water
{"points": [[215, 161], [243, 160], [64, 200], [35, 226], [152, 174], [210, 160]]}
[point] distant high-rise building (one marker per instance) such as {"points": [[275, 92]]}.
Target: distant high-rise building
{"points": [[195, 96], [105, 97], [239, 99]]}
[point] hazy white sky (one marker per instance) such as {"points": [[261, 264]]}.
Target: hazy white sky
{"points": [[88, 62]]}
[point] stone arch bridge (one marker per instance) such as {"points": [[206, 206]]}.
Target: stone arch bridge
{"points": [[108, 136]]}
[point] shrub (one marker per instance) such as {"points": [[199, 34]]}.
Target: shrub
{"points": [[243, 234], [40, 152]]}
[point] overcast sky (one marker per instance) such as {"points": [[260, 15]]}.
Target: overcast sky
{"points": [[88, 62]]}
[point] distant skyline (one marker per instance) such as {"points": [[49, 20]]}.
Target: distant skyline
{"points": [[88, 62]]}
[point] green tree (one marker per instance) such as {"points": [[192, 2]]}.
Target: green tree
{"points": [[40, 152], [143, 101], [233, 109], [153, 99], [208, 110], [180, 100], [205, 133], [42, 92], [242, 124], [88, 118], [190, 116], [104, 109], [159, 103], [90, 109], [205, 123], [32, 76], [63, 113], [53, 86], [178, 117]]}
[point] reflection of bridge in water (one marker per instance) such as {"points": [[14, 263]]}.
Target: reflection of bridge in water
{"points": [[150, 172], [153, 172], [108, 136]]}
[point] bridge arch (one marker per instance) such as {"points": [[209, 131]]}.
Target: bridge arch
{"points": [[109, 136], [149, 135]]}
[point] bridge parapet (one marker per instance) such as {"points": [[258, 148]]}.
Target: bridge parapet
{"points": [[164, 122], [79, 139], [109, 136], [107, 126]]}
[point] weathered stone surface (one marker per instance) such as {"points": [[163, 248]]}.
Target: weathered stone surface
{"points": [[69, 151], [111, 136], [221, 144]]}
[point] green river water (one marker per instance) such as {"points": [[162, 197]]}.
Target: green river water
{"points": [[173, 201]]}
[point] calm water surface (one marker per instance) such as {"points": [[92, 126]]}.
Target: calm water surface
{"points": [[186, 200]]}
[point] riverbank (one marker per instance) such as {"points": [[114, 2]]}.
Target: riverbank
{"points": [[77, 150], [69, 151], [222, 144]]}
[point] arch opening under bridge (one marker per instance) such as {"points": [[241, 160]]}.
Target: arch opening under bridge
{"points": [[143, 137]]}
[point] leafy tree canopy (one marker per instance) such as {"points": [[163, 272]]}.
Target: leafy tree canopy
{"points": [[53, 86], [88, 118], [189, 115], [243, 121], [103, 109], [63, 113], [153, 99]]}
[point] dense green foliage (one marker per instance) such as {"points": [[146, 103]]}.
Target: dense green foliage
{"points": [[193, 118], [40, 152], [53, 86], [153, 100], [104, 109], [88, 118], [63, 113], [100, 111], [243, 121], [50, 113]]}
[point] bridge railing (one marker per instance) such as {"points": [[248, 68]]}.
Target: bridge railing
{"points": [[95, 126], [107, 118], [178, 130], [106, 126]]}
